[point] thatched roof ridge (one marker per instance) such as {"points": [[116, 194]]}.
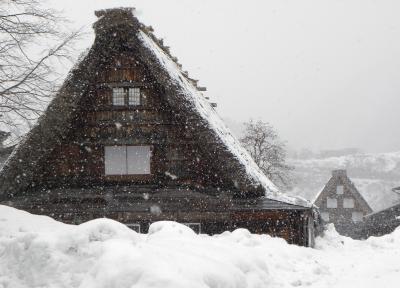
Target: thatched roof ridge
{"points": [[180, 91]]}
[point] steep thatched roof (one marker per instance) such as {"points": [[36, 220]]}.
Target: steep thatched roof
{"points": [[120, 27]]}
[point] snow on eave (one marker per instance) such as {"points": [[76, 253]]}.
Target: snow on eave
{"points": [[382, 210], [208, 113]]}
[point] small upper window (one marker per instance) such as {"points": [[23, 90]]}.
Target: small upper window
{"points": [[331, 203], [339, 189], [118, 96], [126, 96], [134, 96], [348, 203]]}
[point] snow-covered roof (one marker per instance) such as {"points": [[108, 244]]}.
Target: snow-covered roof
{"points": [[208, 113]]}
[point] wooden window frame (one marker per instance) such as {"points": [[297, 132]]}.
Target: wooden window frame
{"points": [[126, 160], [133, 226], [132, 96], [191, 224], [118, 96]]}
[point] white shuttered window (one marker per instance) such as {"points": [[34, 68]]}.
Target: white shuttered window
{"points": [[115, 160], [331, 203], [138, 159], [348, 203], [127, 160]]}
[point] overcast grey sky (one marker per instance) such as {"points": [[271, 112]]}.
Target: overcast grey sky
{"points": [[325, 73]]}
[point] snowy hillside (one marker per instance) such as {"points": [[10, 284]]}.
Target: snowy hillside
{"points": [[36, 251], [374, 175]]}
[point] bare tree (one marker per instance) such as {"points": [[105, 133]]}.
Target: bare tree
{"points": [[268, 151], [31, 41]]}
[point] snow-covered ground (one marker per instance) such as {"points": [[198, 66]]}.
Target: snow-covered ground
{"points": [[36, 251]]}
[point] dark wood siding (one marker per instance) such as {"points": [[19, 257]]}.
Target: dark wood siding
{"points": [[176, 157]]}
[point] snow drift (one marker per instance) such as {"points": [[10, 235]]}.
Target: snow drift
{"points": [[37, 251]]}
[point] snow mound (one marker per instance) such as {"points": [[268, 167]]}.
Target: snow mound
{"points": [[36, 251]]}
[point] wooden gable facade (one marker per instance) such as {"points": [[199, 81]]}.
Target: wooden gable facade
{"points": [[341, 203], [123, 140]]}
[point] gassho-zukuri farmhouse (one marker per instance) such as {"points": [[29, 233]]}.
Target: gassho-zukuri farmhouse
{"points": [[130, 136]]}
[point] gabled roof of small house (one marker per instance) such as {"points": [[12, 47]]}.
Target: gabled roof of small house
{"points": [[180, 90], [342, 176]]}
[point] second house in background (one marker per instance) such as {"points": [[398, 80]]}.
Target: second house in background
{"points": [[340, 203]]}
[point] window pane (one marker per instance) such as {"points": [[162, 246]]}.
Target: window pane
{"points": [[134, 227], [331, 203], [348, 203], [138, 159], [118, 96], [325, 216], [115, 160], [357, 216], [196, 227], [339, 189], [134, 96]]}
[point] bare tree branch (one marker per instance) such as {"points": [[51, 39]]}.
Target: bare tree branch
{"points": [[31, 39], [263, 144]]}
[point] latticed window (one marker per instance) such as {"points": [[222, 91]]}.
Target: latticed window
{"points": [[122, 95], [118, 96], [134, 96]]}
